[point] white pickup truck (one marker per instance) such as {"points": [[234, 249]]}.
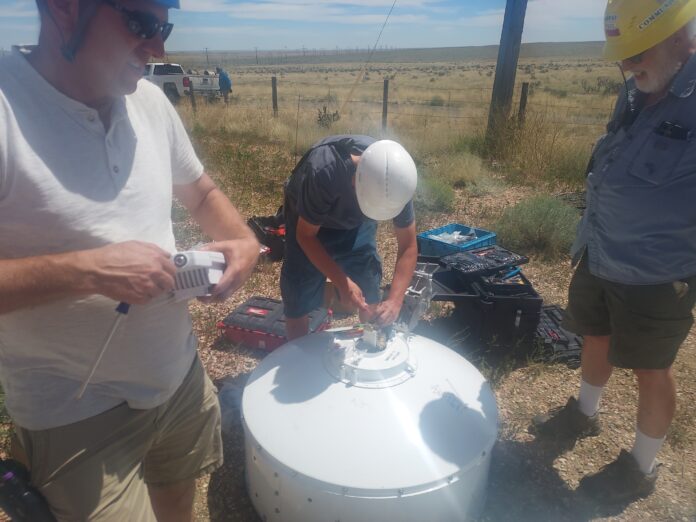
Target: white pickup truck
{"points": [[205, 84], [170, 78]]}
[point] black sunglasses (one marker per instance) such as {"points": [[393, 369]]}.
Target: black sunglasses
{"points": [[142, 24]]}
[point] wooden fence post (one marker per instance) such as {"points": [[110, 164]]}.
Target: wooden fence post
{"points": [[523, 103], [506, 68], [274, 86], [192, 95], [385, 103]]}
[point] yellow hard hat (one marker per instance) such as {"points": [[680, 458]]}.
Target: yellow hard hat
{"points": [[634, 26]]}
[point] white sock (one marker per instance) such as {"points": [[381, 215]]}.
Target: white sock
{"points": [[645, 450], [589, 398]]}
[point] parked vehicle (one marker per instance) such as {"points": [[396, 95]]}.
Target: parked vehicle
{"points": [[205, 83], [169, 77]]}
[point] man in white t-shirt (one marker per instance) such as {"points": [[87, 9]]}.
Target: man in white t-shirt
{"points": [[90, 157]]}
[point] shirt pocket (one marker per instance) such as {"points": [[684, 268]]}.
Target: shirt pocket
{"points": [[656, 161]]}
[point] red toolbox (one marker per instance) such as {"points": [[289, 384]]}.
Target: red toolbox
{"points": [[259, 323]]}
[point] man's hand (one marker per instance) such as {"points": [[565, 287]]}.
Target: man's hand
{"points": [[133, 271], [221, 222], [351, 294], [386, 312], [240, 256]]}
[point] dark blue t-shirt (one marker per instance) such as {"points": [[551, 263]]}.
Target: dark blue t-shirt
{"points": [[321, 186]]}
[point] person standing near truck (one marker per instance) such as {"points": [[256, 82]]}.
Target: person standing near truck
{"points": [[634, 287], [225, 84], [336, 194], [90, 157]]}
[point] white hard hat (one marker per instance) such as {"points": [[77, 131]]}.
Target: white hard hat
{"points": [[385, 180]]}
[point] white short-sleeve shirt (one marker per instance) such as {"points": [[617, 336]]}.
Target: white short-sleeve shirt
{"points": [[67, 184]]}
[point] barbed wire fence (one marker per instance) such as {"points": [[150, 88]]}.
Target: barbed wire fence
{"points": [[392, 99]]}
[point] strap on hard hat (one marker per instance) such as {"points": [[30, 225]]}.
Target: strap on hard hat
{"points": [[86, 10]]}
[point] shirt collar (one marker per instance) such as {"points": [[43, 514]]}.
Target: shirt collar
{"points": [[77, 110], [685, 81]]}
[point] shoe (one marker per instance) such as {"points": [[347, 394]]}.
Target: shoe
{"points": [[566, 422], [619, 481]]}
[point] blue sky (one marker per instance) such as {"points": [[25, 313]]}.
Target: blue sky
{"points": [[320, 24]]}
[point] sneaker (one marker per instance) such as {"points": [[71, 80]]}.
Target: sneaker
{"points": [[566, 422], [619, 481]]}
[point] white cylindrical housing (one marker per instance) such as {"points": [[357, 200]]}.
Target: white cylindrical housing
{"points": [[340, 431]]}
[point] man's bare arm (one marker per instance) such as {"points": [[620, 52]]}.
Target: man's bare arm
{"points": [[388, 310], [132, 271], [317, 254], [221, 221]]}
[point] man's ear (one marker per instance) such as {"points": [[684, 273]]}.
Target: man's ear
{"points": [[64, 14], [682, 42]]}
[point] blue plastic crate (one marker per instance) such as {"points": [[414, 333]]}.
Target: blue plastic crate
{"points": [[430, 246]]}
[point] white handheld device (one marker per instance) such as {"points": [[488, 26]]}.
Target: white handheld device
{"points": [[196, 273]]}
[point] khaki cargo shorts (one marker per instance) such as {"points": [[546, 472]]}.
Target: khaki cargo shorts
{"points": [[100, 468], [647, 323]]}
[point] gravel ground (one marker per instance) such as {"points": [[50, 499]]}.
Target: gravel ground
{"points": [[529, 481]]}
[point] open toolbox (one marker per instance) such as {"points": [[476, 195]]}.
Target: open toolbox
{"points": [[486, 261], [556, 343], [259, 322], [516, 285], [506, 282], [446, 285], [493, 308]]}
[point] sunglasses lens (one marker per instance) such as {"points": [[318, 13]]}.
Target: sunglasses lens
{"points": [[166, 31], [143, 25], [134, 26]]}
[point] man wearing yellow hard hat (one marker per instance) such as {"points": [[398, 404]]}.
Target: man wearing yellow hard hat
{"points": [[634, 287]]}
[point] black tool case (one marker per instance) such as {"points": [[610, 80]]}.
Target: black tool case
{"points": [[506, 310], [555, 343], [447, 286], [505, 317]]}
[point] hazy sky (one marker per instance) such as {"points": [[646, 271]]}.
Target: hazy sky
{"points": [[320, 24]]}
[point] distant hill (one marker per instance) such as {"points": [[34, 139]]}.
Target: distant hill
{"points": [[567, 50]]}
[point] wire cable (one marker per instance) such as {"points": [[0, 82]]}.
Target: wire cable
{"points": [[369, 57]]}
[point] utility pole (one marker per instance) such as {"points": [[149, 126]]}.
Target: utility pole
{"points": [[257, 55], [207, 62], [385, 104], [506, 68]]}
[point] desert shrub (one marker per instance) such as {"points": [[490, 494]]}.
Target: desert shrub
{"points": [[464, 170], [434, 195], [568, 164], [326, 119], [541, 149], [609, 86], [542, 225], [560, 93], [603, 85], [437, 101]]}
